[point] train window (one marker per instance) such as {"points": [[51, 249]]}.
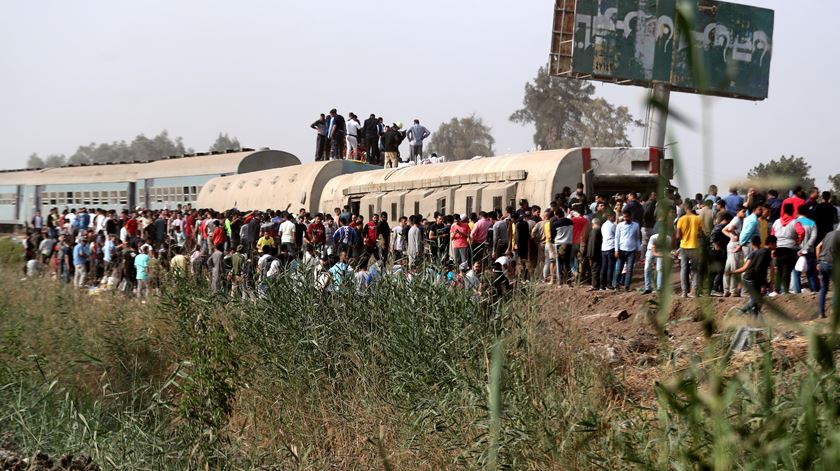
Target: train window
{"points": [[394, 215], [497, 202], [123, 197], [86, 197], [370, 212], [442, 205], [416, 207], [469, 205], [53, 198], [94, 198]]}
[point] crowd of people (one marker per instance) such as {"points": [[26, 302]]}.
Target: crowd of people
{"points": [[758, 244], [373, 141]]}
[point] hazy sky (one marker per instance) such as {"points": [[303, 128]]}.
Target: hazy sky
{"points": [[98, 71]]}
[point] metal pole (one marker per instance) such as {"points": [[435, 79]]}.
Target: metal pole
{"points": [[657, 117]]}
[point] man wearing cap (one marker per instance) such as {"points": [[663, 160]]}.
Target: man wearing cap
{"points": [[391, 145]]}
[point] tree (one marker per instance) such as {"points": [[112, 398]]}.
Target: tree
{"points": [[834, 180], [141, 148], [55, 160], [223, 143], [565, 114], [35, 161], [791, 171], [462, 138]]}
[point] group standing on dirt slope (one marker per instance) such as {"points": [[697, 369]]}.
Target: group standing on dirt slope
{"points": [[758, 244]]}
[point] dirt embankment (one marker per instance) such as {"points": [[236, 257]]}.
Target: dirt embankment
{"points": [[639, 339]]}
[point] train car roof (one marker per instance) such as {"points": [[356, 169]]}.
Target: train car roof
{"points": [[300, 185], [173, 166]]}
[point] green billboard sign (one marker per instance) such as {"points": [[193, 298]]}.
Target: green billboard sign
{"points": [[725, 51]]}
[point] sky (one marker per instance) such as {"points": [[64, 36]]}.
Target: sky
{"points": [[72, 73]]}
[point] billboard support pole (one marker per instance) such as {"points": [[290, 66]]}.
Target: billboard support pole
{"points": [[657, 117]]}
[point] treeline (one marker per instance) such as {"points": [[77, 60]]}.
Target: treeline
{"points": [[142, 148]]}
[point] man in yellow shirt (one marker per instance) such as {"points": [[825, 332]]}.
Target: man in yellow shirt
{"points": [[689, 228], [265, 241]]}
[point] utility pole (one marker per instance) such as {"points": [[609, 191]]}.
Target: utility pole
{"points": [[657, 115]]}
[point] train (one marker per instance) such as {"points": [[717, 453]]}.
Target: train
{"points": [[459, 187], [251, 179], [159, 184]]}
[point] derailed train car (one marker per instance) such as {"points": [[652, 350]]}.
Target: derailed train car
{"points": [[452, 187], [158, 184]]}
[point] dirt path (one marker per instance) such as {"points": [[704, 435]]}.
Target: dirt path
{"points": [[620, 327]]}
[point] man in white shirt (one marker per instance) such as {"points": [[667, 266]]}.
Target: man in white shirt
{"points": [[397, 238], [734, 255], [353, 127], [287, 233], [653, 261], [608, 250]]}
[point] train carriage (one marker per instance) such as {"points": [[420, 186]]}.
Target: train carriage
{"points": [[158, 184]]}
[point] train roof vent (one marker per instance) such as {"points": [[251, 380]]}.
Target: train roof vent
{"points": [[231, 151], [190, 155], [202, 153], [216, 152], [247, 149]]}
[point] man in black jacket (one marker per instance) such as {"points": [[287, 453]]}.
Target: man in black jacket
{"points": [[336, 131], [372, 130], [391, 145], [320, 126]]}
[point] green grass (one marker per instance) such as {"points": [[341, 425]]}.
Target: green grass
{"points": [[411, 376]]}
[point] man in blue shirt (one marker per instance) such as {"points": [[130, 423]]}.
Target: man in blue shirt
{"points": [[734, 201], [416, 134], [749, 228], [81, 254], [627, 246]]}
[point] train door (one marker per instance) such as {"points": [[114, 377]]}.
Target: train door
{"points": [[18, 202], [132, 195], [355, 205]]}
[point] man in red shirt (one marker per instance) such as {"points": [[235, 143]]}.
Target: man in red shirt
{"points": [[797, 199], [478, 236], [316, 234], [459, 235], [218, 236], [131, 226], [370, 236], [579, 224]]}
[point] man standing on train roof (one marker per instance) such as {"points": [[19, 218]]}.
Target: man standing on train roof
{"points": [[353, 128], [321, 147], [416, 134], [372, 130], [336, 130], [391, 145]]}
